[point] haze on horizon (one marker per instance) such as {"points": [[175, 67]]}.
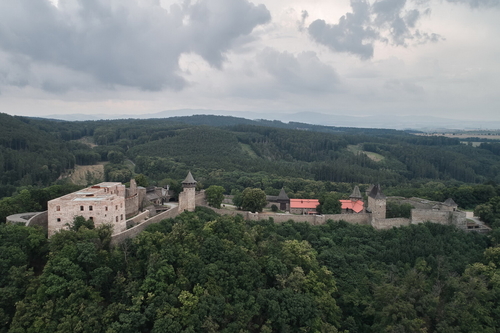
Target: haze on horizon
{"points": [[359, 58]]}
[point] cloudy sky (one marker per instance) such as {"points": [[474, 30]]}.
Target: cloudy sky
{"points": [[409, 57]]}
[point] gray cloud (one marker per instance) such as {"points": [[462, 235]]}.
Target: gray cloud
{"points": [[384, 20], [302, 74], [477, 3], [352, 34], [123, 42]]}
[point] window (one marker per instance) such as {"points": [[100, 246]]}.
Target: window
{"points": [[117, 219], [91, 218], [81, 207], [106, 208], [116, 207], [121, 217], [58, 208], [90, 208], [58, 219]]}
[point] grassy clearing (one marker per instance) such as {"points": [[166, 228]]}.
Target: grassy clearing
{"points": [[247, 149], [356, 149], [87, 140]]}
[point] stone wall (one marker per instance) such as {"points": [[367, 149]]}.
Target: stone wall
{"points": [[459, 219], [132, 232], [389, 223], [132, 205], [363, 218], [40, 219], [200, 198], [137, 219], [435, 216]]}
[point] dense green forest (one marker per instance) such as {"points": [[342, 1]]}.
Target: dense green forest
{"points": [[208, 273], [37, 151], [236, 153], [201, 272]]}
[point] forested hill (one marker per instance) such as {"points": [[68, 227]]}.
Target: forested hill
{"points": [[224, 149], [207, 273]]}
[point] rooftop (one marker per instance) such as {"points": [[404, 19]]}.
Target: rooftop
{"points": [[304, 203], [96, 192], [356, 206]]}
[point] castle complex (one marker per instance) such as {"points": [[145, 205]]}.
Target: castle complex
{"points": [[130, 210]]}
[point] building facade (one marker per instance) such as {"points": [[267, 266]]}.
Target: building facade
{"points": [[103, 203]]}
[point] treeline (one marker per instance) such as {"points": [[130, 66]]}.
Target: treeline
{"points": [[201, 272], [37, 151]]}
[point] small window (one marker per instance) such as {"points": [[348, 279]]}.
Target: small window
{"points": [[90, 208], [91, 218], [121, 217], [116, 207], [81, 207], [58, 208], [117, 219], [106, 208], [58, 219]]}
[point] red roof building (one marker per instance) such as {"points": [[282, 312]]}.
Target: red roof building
{"points": [[356, 206], [303, 206]]}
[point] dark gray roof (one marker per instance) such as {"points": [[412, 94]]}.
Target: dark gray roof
{"points": [[189, 179], [376, 193], [356, 194], [450, 202], [282, 195]]}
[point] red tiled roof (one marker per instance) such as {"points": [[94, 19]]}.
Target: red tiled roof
{"points": [[356, 206], [304, 203]]}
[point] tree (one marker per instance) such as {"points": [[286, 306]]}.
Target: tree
{"points": [[215, 195], [253, 199], [79, 221], [116, 157], [329, 204], [142, 180]]}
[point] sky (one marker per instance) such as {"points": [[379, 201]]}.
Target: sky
{"points": [[357, 58]]}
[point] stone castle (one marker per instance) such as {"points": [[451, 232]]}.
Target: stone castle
{"points": [[130, 210]]}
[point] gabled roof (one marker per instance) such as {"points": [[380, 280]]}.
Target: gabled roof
{"points": [[189, 179], [304, 203], [376, 193], [356, 194], [450, 202], [282, 195], [355, 205]]}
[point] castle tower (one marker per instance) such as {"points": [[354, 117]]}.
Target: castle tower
{"points": [[187, 196], [356, 194], [283, 200], [377, 203]]}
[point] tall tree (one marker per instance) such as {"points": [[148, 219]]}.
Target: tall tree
{"points": [[253, 199], [215, 195]]}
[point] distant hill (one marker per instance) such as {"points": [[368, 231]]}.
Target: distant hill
{"points": [[415, 122]]}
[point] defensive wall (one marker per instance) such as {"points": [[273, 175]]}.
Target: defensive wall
{"points": [[41, 219], [137, 219], [134, 231], [389, 223], [132, 205], [362, 218], [30, 219], [456, 218]]}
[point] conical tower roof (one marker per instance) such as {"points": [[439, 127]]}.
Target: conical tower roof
{"points": [[282, 195], [450, 202], [356, 194], [189, 179], [376, 193]]}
